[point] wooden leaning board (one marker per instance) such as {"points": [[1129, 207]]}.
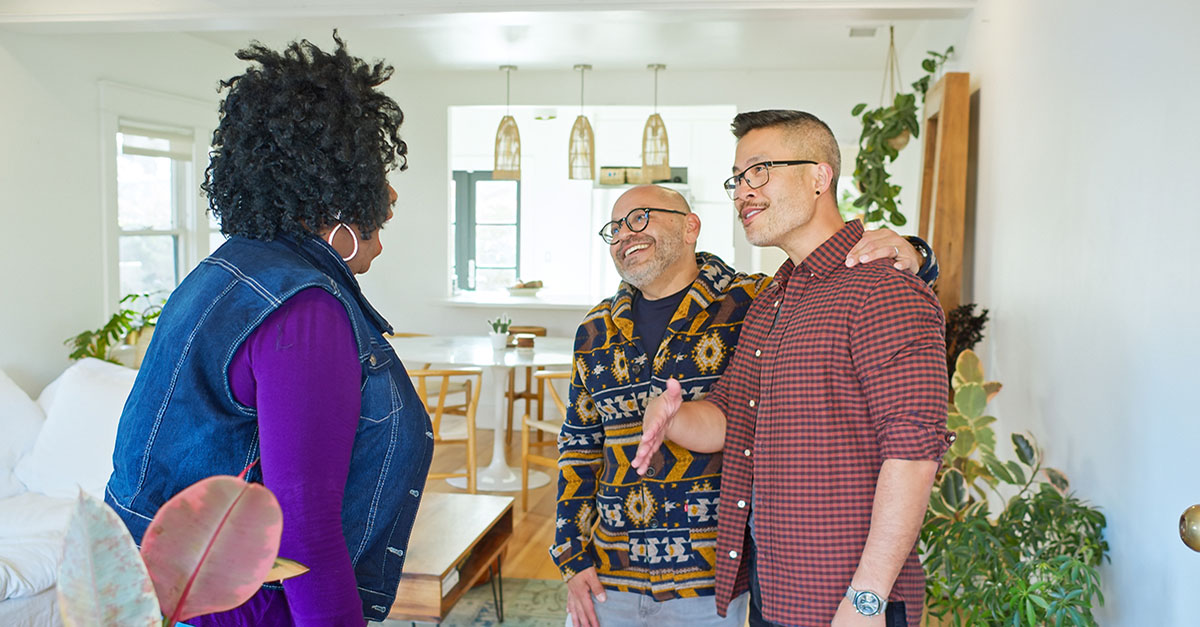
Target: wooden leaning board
{"points": [[472, 529]]}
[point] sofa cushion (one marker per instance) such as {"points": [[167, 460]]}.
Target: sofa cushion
{"points": [[32, 527], [20, 420], [75, 446]]}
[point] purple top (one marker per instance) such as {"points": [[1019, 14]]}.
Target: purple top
{"points": [[300, 370]]}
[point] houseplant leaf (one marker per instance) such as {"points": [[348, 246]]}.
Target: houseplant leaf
{"points": [[1024, 449], [970, 399], [954, 489], [210, 547], [969, 367], [102, 579], [285, 569]]}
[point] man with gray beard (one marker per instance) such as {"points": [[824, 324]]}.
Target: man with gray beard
{"points": [[637, 550]]}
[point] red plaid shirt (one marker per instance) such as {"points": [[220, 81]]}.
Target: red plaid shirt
{"points": [[837, 370]]}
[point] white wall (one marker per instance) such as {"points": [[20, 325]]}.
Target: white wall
{"points": [[1087, 186], [50, 188]]}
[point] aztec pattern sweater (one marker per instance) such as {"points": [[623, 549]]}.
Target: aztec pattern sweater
{"points": [[654, 535]]}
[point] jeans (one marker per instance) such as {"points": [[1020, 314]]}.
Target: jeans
{"points": [[894, 615], [621, 609]]}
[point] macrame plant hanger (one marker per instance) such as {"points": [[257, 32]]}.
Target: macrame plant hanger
{"points": [[891, 79], [581, 153], [656, 152], [508, 138]]}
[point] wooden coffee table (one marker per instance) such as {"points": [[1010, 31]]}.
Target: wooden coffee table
{"points": [[451, 529]]}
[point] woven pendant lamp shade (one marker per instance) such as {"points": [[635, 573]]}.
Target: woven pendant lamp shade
{"points": [[656, 151], [508, 139], [508, 151], [581, 152]]}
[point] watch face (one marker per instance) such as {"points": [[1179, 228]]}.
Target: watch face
{"points": [[867, 603]]}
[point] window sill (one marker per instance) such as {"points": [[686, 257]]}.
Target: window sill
{"points": [[541, 301]]}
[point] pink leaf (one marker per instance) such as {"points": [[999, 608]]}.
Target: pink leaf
{"points": [[210, 547], [102, 580]]}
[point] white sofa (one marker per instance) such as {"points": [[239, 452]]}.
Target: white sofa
{"points": [[49, 450]]}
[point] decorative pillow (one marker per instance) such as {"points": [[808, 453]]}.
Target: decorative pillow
{"points": [[20, 419], [75, 446]]}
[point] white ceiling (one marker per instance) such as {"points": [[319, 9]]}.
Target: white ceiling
{"points": [[532, 34]]}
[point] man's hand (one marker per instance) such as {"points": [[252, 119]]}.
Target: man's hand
{"points": [[847, 616], [885, 244], [659, 413], [580, 589]]}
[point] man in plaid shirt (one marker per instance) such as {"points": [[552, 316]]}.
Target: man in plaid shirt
{"points": [[832, 410], [644, 547]]}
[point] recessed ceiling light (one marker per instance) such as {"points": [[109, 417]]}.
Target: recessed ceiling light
{"points": [[862, 31]]}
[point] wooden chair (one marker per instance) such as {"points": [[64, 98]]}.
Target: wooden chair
{"points": [[449, 428], [459, 387], [552, 426], [530, 394]]}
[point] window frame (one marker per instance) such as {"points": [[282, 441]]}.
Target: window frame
{"points": [[136, 106], [465, 265]]}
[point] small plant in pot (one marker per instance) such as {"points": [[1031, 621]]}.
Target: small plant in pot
{"points": [[499, 332], [124, 337], [886, 130], [1034, 561]]}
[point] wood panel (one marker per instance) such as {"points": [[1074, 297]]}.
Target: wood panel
{"points": [[528, 555], [944, 180]]}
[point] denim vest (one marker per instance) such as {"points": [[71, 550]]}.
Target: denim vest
{"points": [[182, 424]]}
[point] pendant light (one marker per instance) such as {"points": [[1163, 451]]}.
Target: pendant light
{"points": [[508, 138], [656, 153], [581, 153]]}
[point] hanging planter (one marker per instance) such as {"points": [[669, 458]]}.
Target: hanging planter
{"points": [[581, 152], [886, 130], [656, 150], [508, 138]]}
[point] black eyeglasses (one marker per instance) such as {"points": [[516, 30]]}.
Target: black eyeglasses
{"points": [[636, 221], [757, 175]]}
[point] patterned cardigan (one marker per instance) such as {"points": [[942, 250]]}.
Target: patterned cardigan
{"points": [[653, 535]]}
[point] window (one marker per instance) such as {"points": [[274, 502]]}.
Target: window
{"points": [[156, 227], [487, 231]]}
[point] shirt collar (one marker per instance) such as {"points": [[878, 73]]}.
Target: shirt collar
{"points": [[827, 257], [714, 276]]}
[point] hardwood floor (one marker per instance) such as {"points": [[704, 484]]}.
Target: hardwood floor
{"points": [[533, 531]]}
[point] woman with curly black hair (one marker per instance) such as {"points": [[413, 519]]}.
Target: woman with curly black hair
{"points": [[267, 355]]}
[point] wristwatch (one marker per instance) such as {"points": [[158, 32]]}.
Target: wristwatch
{"points": [[866, 602]]}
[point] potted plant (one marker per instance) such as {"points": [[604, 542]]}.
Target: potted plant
{"points": [[1036, 559], [499, 332], [885, 131], [124, 338]]}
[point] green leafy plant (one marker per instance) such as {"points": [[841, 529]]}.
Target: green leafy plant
{"points": [[885, 131], [141, 311], [500, 324], [1036, 560]]}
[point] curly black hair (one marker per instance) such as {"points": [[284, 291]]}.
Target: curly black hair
{"points": [[304, 142]]}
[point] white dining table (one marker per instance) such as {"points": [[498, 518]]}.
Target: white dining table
{"points": [[477, 351]]}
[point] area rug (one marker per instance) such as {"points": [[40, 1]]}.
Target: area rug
{"points": [[527, 603]]}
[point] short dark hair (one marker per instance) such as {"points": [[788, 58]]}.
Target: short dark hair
{"points": [[305, 141], [805, 128]]}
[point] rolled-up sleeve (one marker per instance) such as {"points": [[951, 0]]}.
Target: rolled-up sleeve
{"points": [[898, 345]]}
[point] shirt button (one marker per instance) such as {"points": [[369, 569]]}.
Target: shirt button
{"points": [[372, 360], [733, 554], [753, 403], [747, 452], [776, 304], [650, 471], [758, 353], [741, 504]]}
